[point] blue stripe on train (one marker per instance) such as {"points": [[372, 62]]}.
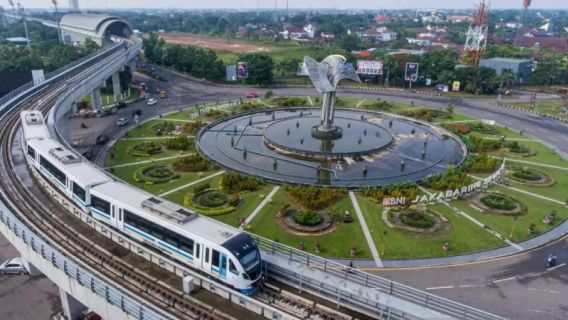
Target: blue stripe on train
{"points": [[161, 243]]}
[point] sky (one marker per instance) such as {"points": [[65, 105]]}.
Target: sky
{"points": [[243, 4]]}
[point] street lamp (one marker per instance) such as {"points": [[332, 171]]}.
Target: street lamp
{"points": [[13, 10], [22, 13], [58, 24]]}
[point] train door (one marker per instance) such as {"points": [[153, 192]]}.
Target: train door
{"points": [[120, 219], [197, 256], [206, 264], [113, 214], [215, 263], [223, 267]]}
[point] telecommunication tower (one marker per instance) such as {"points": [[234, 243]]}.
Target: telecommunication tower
{"points": [[522, 22], [476, 41]]}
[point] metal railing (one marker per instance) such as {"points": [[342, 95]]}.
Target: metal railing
{"points": [[367, 280], [84, 278]]}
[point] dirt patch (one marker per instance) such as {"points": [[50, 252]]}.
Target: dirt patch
{"points": [[214, 43]]}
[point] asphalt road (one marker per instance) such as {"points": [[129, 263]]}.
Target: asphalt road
{"points": [[517, 287]]}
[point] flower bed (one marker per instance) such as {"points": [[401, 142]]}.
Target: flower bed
{"points": [[529, 176], [308, 218], [498, 203], [211, 202], [413, 220], [146, 149], [307, 222], [191, 163], [417, 220], [154, 174]]}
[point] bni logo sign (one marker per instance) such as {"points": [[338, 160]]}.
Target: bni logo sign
{"points": [[388, 202]]}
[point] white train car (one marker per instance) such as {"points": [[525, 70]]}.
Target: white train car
{"points": [[218, 250], [33, 126], [64, 169]]}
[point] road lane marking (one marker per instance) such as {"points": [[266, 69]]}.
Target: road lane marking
{"points": [[504, 279], [544, 290], [538, 311], [439, 288], [556, 267]]}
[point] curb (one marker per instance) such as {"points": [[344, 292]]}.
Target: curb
{"points": [[546, 115]]}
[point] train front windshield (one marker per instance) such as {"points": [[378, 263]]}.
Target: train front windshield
{"points": [[244, 249]]}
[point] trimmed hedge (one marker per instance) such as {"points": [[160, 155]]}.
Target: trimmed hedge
{"points": [[308, 218], [154, 174], [526, 174], [188, 202], [145, 149], [191, 163], [417, 220], [211, 199], [499, 201]]}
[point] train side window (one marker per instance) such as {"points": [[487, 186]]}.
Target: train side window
{"points": [[78, 191], [112, 211], [120, 215], [206, 255], [232, 267], [215, 258], [31, 152], [197, 250]]}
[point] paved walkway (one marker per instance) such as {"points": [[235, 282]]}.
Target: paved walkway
{"points": [[360, 103], [536, 163], [260, 206], [310, 102], [366, 231], [190, 184], [526, 192], [174, 119], [148, 161], [477, 222]]}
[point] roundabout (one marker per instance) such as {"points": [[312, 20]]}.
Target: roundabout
{"points": [[375, 148]]}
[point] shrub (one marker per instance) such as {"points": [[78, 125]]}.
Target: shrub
{"points": [[516, 147], [426, 114], [406, 189], [191, 128], [417, 220], [483, 163], [234, 182], [154, 174], [314, 198], [146, 149], [483, 128], [451, 179], [234, 200], [250, 105], [459, 128], [499, 201], [210, 199], [290, 101], [379, 105], [525, 174], [308, 218], [201, 187], [164, 128], [192, 163], [178, 143]]}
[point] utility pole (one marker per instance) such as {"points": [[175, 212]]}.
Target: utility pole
{"points": [[11, 2], [58, 24], [22, 13]]}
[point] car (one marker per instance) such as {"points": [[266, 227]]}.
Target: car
{"points": [[136, 112], [13, 266], [251, 94], [151, 102], [146, 96], [88, 154], [121, 105], [102, 139], [122, 122]]}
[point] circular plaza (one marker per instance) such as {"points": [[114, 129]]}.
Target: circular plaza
{"points": [[371, 149]]}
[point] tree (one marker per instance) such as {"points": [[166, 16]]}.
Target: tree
{"points": [[260, 67], [349, 42], [153, 48]]}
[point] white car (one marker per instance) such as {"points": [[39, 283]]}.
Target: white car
{"points": [[151, 102], [13, 266], [122, 122]]}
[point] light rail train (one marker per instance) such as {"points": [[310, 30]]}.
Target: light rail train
{"points": [[208, 246]]}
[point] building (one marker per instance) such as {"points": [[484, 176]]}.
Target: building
{"points": [[307, 33], [523, 68], [380, 34], [74, 5]]}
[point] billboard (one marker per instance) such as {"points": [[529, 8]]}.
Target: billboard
{"points": [[231, 72], [411, 72], [456, 86], [370, 67], [242, 70]]}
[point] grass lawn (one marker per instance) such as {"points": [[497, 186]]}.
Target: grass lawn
{"points": [[121, 155], [462, 235], [336, 244], [127, 174], [516, 230], [543, 155], [251, 201], [179, 196], [145, 129], [550, 107], [556, 191]]}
